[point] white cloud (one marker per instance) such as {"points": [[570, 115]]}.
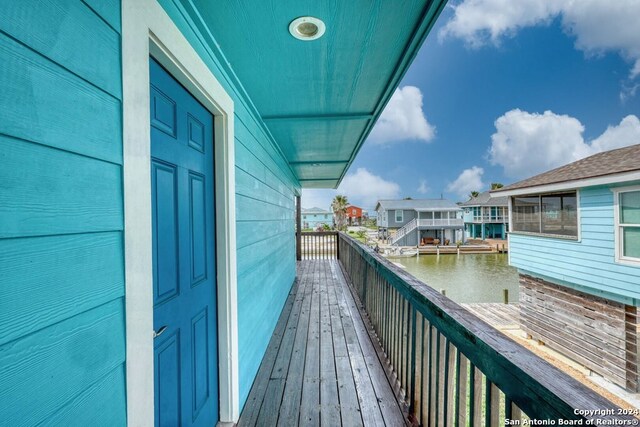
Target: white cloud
{"points": [[364, 189], [598, 26], [479, 22], [601, 26], [626, 133], [469, 180], [628, 91], [403, 119], [317, 198], [526, 144], [423, 188]]}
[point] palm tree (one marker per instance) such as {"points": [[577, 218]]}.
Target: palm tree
{"points": [[474, 194], [496, 185], [339, 208]]}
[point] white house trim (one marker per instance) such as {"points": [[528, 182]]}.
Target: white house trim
{"points": [[148, 31], [573, 185], [619, 257]]}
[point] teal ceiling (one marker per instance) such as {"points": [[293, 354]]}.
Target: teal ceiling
{"points": [[319, 98]]}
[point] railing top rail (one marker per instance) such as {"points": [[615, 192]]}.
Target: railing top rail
{"points": [[319, 233], [536, 386]]}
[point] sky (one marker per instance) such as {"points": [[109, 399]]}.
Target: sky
{"points": [[501, 91]]}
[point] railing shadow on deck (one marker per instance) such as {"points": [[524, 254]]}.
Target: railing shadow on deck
{"points": [[449, 367]]}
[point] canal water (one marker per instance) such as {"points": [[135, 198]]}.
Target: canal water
{"points": [[466, 278]]}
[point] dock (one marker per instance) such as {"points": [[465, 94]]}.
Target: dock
{"points": [[501, 316], [451, 249]]}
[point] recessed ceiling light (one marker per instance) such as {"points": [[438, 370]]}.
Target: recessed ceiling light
{"points": [[307, 28]]}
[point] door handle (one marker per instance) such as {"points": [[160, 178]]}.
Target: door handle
{"points": [[159, 331]]}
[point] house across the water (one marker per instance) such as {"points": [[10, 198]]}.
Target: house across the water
{"points": [[316, 217], [486, 216], [575, 240], [413, 222]]}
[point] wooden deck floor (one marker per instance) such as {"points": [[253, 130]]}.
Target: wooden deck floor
{"points": [[321, 367]]}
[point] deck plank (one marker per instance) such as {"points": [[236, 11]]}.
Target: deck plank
{"points": [[290, 409], [249, 416], [349, 406], [329, 402], [387, 403], [310, 404], [321, 367]]}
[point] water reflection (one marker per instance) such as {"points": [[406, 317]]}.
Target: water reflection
{"points": [[468, 277]]}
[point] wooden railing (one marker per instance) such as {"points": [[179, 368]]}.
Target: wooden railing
{"points": [[319, 245], [451, 368], [440, 222]]}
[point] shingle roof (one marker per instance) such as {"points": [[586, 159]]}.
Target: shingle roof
{"points": [[314, 210], [611, 162], [418, 204], [486, 199]]}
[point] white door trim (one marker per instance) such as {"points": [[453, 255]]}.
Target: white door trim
{"points": [[147, 31]]}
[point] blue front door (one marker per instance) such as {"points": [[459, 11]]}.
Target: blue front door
{"points": [[184, 276]]}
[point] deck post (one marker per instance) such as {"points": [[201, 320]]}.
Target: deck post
{"points": [[298, 229]]}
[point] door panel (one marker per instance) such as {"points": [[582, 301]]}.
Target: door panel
{"points": [[167, 385], [165, 234], [184, 293]]}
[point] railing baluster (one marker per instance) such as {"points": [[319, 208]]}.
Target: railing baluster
{"points": [[396, 338], [433, 376], [385, 320], [442, 370], [492, 404], [450, 406], [412, 366], [516, 413], [426, 372], [461, 381], [476, 397], [445, 383], [417, 360], [403, 343]]}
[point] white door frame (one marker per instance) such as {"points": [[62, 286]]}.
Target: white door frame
{"points": [[148, 31]]}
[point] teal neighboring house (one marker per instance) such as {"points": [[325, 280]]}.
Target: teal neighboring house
{"points": [[153, 153], [486, 217], [575, 240], [316, 217]]}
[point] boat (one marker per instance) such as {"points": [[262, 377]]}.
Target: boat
{"points": [[399, 253]]}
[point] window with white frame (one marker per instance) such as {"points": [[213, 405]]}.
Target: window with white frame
{"points": [[628, 225], [399, 215]]}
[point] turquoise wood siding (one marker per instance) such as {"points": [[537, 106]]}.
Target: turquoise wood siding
{"points": [[265, 189], [62, 334], [588, 264]]}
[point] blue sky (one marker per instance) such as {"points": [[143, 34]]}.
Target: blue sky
{"points": [[501, 91]]}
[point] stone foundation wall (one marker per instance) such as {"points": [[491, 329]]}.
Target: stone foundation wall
{"points": [[599, 333]]}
